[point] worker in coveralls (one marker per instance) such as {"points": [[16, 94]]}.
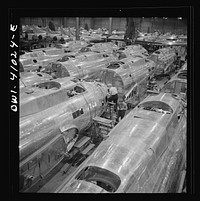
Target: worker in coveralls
{"points": [[121, 109], [113, 95]]}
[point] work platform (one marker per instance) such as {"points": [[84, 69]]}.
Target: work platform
{"points": [[102, 126]]}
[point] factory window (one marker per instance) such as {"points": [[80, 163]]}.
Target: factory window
{"points": [[77, 113], [101, 177], [156, 106]]}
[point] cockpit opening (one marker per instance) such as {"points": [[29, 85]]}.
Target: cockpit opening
{"points": [[66, 58], [84, 49], [49, 85], [56, 70], [182, 75], [115, 65], [100, 177], [156, 106], [75, 91]]}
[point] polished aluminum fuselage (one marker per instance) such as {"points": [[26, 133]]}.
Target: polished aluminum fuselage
{"points": [[45, 111], [141, 150], [177, 84], [51, 121], [33, 60], [164, 59], [28, 79], [80, 66], [83, 65], [129, 73], [132, 50]]}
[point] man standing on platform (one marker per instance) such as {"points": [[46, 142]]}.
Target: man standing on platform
{"points": [[121, 109], [113, 95]]}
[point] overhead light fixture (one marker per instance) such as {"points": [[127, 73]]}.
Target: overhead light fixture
{"points": [[179, 18]]}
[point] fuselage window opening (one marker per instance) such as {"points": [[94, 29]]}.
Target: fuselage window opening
{"points": [[75, 91], [113, 66], [63, 59], [77, 113], [79, 89], [71, 92], [182, 75], [100, 177], [49, 85]]}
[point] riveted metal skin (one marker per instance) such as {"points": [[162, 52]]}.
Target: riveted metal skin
{"points": [[144, 150]]}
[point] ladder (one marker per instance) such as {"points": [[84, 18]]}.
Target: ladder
{"points": [[102, 126]]}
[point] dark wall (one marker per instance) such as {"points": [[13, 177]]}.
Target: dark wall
{"points": [[172, 25]]}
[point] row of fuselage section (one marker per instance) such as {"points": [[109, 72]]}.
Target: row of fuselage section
{"points": [[144, 153], [55, 110]]}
